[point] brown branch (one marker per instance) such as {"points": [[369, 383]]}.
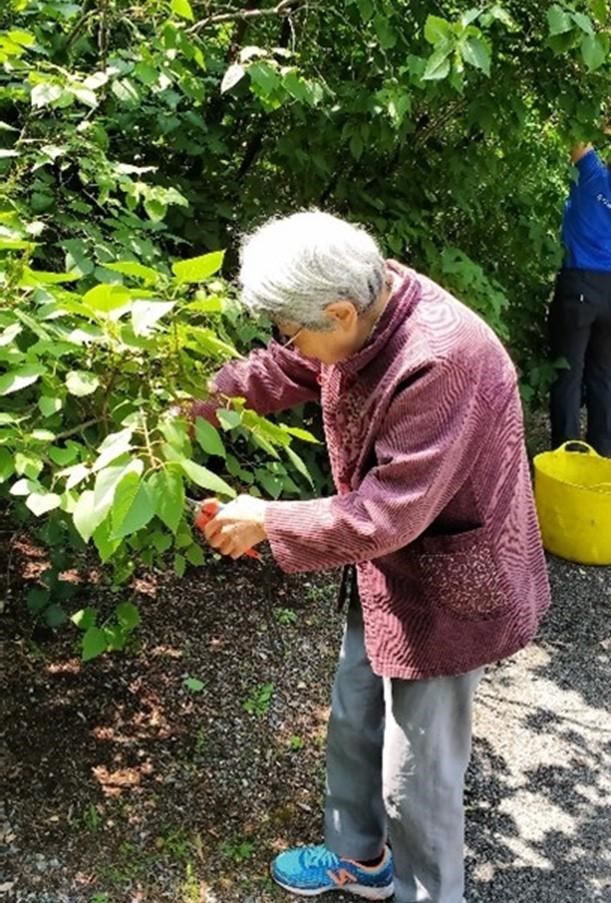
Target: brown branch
{"points": [[284, 8], [78, 429]]}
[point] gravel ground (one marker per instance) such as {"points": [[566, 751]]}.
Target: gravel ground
{"points": [[126, 786]]}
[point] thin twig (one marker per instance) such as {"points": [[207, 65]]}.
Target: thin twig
{"points": [[147, 439], [78, 429], [284, 8]]}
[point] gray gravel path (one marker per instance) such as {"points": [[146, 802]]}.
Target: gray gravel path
{"points": [[538, 793], [537, 796]]}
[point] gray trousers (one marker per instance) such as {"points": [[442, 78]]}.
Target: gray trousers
{"points": [[397, 751]]}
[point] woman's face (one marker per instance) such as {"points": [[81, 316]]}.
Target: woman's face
{"points": [[346, 334]]}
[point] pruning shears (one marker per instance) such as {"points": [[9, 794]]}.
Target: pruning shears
{"points": [[205, 512]]}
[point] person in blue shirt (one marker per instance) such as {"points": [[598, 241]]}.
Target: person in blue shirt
{"points": [[580, 313]]}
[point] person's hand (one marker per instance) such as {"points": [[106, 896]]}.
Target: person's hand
{"points": [[238, 527]]}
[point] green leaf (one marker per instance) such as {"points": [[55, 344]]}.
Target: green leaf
{"points": [[42, 435], [28, 463], [299, 433], [234, 74], [477, 53], [203, 477], [595, 51], [356, 145], [209, 438], [167, 491], [196, 269], [437, 29], [559, 21], [16, 244], [193, 684], [300, 465], [55, 615], [37, 599], [106, 297], [128, 615], [80, 382], [7, 465], [205, 340], [599, 10], [132, 507], [182, 8], [176, 432], [113, 446], [387, 36], [155, 209], [195, 555], [470, 16], [40, 503], [228, 419], [63, 456], [179, 565], [49, 405], [44, 94], [8, 335], [437, 66], [583, 22], [74, 475], [132, 268], [107, 480], [20, 378], [94, 643], [76, 256], [86, 515], [104, 543], [206, 304], [24, 487], [146, 313], [501, 15], [161, 541], [270, 482], [84, 618], [126, 92], [265, 79]]}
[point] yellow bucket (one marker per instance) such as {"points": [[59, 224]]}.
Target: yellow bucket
{"points": [[573, 496]]}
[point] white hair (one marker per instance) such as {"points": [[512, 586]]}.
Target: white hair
{"points": [[293, 267]]}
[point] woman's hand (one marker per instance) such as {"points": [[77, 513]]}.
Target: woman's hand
{"points": [[238, 527]]}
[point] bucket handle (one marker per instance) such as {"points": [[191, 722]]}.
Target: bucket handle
{"points": [[576, 445]]}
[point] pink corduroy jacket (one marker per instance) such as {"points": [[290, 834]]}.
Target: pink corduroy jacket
{"points": [[434, 502]]}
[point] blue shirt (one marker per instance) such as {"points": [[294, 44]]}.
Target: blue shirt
{"points": [[586, 231]]}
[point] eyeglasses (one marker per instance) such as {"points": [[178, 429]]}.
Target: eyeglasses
{"points": [[285, 341]]}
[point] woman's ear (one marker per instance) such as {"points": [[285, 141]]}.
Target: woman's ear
{"points": [[343, 313]]}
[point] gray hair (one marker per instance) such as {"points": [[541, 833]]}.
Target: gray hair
{"points": [[293, 267]]}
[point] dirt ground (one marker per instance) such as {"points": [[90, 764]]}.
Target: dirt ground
{"points": [[125, 784]]}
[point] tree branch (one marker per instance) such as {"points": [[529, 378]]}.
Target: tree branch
{"points": [[284, 8]]}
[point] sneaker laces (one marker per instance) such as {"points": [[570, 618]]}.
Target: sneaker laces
{"points": [[320, 857]]}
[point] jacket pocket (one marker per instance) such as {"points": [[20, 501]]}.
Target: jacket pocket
{"points": [[459, 573]]}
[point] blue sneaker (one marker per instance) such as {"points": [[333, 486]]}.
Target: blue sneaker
{"points": [[309, 871]]}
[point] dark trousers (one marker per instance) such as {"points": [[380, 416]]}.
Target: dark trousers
{"points": [[580, 332]]}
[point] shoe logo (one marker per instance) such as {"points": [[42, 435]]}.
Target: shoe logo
{"points": [[341, 877]]}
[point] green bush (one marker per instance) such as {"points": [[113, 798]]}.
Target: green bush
{"points": [[89, 439]]}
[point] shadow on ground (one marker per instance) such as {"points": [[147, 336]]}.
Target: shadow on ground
{"points": [[538, 787], [126, 786]]}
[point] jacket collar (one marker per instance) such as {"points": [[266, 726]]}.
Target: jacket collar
{"points": [[405, 295]]}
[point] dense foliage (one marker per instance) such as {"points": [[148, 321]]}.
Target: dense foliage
{"points": [[138, 140]]}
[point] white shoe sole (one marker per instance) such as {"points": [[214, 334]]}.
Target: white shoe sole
{"points": [[360, 890]]}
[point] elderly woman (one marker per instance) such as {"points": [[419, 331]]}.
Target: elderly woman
{"points": [[434, 508]]}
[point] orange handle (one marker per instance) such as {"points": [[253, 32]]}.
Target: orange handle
{"points": [[208, 511]]}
